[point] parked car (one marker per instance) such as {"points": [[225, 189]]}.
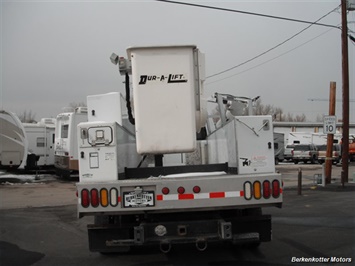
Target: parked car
{"points": [[305, 153], [288, 152], [322, 153]]}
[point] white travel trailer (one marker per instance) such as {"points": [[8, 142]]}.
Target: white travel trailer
{"points": [[13, 143], [279, 147], [40, 137], [66, 145], [310, 138]]}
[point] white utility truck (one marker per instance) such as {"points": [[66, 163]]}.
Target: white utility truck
{"points": [[216, 194]]}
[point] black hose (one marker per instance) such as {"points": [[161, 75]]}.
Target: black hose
{"points": [[128, 102]]}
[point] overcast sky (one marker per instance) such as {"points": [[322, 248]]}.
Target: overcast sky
{"points": [[56, 53]]}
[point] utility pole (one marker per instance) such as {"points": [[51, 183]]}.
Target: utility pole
{"points": [[345, 78], [330, 137]]}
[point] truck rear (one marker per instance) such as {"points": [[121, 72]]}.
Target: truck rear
{"points": [[215, 191]]}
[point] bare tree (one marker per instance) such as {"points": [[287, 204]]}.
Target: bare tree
{"points": [[277, 113], [319, 118], [300, 118], [27, 117], [75, 105]]}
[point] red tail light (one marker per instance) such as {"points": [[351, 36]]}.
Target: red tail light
{"points": [[94, 193], [275, 188], [85, 198], [292, 152], [165, 190], [196, 189], [181, 190], [266, 189]]}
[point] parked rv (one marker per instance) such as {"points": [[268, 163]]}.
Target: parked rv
{"points": [[66, 145], [311, 138], [40, 138], [13, 143], [279, 147]]}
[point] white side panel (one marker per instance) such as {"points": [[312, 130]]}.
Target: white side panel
{"points": [[105, 149], [104, 107], [255, 147], [246, 142], [217, 147], [164, 100]]}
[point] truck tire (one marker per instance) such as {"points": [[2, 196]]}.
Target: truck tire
{"points": [[295, 161]]}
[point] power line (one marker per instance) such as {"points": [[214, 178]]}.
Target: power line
{"points": [[247, 13], [273, 48], [261, 15], [272, 59]]}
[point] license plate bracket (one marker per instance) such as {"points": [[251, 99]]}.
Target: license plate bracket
{"points": [[141, 199]]}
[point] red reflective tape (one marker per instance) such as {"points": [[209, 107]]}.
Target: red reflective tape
{"points": [[119, 199], [241, 193], [217, 195], [280, 190], [159, 197], [186, 196]]}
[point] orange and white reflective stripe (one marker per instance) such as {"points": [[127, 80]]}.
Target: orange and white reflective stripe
{"points": [[210, 195]]}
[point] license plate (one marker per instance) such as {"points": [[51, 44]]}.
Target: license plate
{"points": [[136, 200]]}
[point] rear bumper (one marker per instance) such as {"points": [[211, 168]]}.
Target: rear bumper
{"points": [[237, 230], [216, 192]]}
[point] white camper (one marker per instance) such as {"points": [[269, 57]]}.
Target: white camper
{"points": [[66, 145], [13, 143], [310, 138], [105, 107], [40, 137], [279, 147]]}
